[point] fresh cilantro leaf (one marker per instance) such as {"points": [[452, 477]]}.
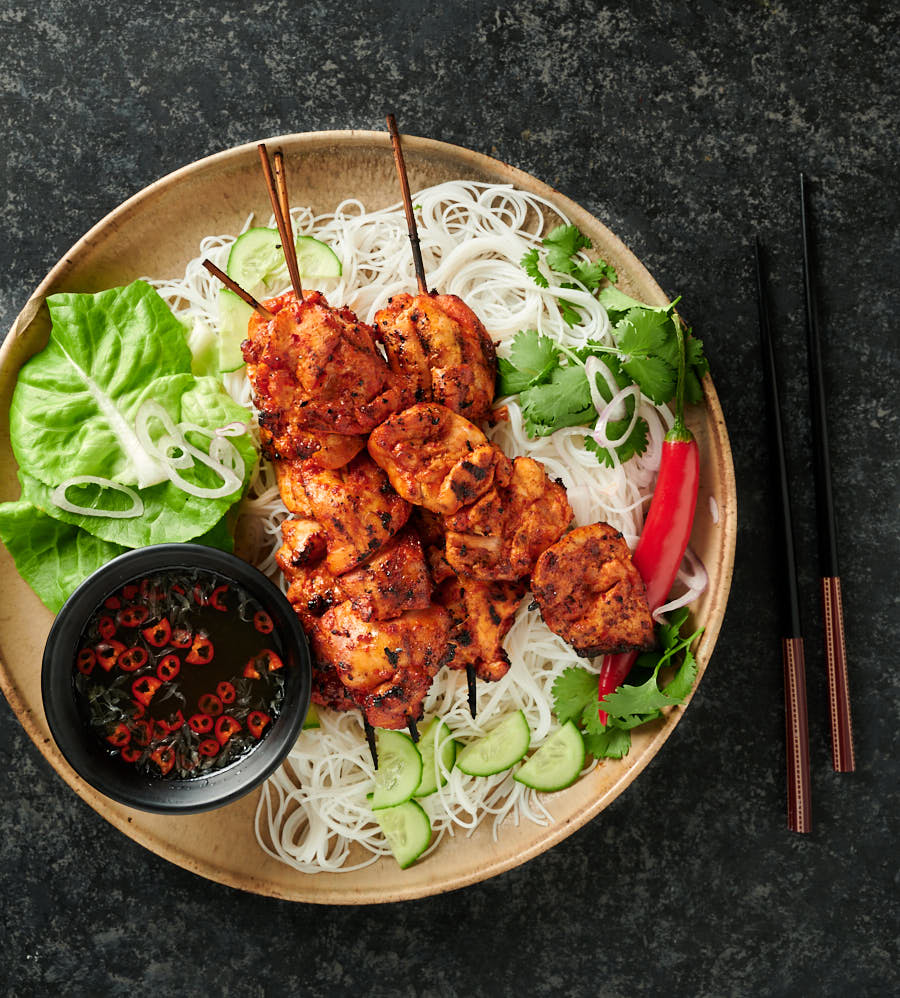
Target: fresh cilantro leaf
{"points": [[617, 303], [573, 689], [611, 743], [628, 701], [592, 273], [641, 335], [534, 353], [683, 680], [569, 312], [634, 443], [562, 244], [693, 390], [564, 400], [669, 630], [530, 264], [590, 716]]}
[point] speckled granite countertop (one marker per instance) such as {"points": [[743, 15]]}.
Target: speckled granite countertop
{"points": [[684, 131]]}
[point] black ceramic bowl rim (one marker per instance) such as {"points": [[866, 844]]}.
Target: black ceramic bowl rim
{"points": [[83, 750]]}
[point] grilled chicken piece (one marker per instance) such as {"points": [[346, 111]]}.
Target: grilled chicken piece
{"points": [[304, 544], [386, 665], [290, 486], [591, 594], [393, 581], [329, 691], [314, 367], [482, 614], [330, 450], [356, 507], [502, 534], [435, 458], [440, 351]]}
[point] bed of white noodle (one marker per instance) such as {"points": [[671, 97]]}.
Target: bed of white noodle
{"points": [[314, 811]]}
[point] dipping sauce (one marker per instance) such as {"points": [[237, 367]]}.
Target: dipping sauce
{"points": [[179, 673]]}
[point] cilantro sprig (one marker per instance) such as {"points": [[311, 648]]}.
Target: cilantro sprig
{"points": [[637, 702]]}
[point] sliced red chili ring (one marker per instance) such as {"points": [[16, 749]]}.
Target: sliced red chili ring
{"points": [[227, 726], [164, 757], [138, 710], [214, 599], [208, 747], [172, 725], [200, 724], [107, 652], [256, 722], [168, 668], [112, 603], [199, 598], [226, 692], [130, 591], [158, 634], [145, 688], [106, 627], [201, 652], [85, 661], [263, 622], [120, 735], [130, 754], [250, 670], [209, 703], [271, 660], [132, 659], [142, 732], [182, 637], [132, 616]]}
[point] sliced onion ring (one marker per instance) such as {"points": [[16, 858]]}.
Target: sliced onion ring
{"points": [[58, 498]]}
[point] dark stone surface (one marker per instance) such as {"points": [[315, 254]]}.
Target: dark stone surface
{"points": [[684, 130]]}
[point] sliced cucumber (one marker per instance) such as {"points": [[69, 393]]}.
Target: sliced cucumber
{"points": [[435, 733], [399, 768], [234, 314], [557, 763], [407, 830], [500, 748], [312, 718], [256, 260]]}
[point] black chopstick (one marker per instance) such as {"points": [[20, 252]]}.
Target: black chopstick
{"points": [[796, 724], [843, 760]]}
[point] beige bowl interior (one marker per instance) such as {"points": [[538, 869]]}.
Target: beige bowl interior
{"points": [[156, 233]]}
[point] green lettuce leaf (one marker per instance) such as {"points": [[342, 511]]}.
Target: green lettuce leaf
{"points": [[74, 405]]}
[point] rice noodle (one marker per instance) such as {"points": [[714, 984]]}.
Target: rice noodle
{"points": [[313, 813]]}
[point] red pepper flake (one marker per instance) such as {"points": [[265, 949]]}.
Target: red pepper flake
{"points": [[182, 637], [130, 754], [132, 659], [132, 616], [85, 661], [201, 652], [226, 692], [263, 622], [158, 634], [107, 652], [209, 703], [106, 626], [145, 688], [164, 757], [208, 747], [120, 735], [226, 726], [168, 668], [257, 721], [200, 724], [216, 597], [112, 603]]}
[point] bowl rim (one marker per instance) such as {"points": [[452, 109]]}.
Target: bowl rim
{"points": [[302, 888], [83, 751]]}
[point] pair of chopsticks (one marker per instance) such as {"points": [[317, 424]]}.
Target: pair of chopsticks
{"points": [[796, 725]]}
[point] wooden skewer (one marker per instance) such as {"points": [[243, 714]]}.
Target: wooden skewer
{"points": [[370, 738], [473, 690], [407, 206], [284, 225], [281, 184], [411, 725], [238, 290]]}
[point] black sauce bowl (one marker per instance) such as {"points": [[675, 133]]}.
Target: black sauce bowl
{"points": [[122, 782]]}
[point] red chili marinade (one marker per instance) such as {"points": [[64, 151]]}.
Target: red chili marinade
{"points": [[179, 673]]}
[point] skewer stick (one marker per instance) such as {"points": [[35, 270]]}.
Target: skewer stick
{"points": [[283, 223], [238, 290], [411, 725], [281, 184], [370, 738], [473, 690], [407, 206]]}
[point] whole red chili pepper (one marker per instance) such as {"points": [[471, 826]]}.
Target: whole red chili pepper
{"points": [[667, 528]]}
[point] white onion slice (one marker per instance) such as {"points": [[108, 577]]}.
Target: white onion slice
{"points": [[58, 498], [235, 429]]}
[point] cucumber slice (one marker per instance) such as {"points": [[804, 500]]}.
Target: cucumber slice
{"points": [[312, 718], [256, 261], [557, 763], [234, 314], [407, 830], [399, 768], [500, 748], [436, 732]]}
